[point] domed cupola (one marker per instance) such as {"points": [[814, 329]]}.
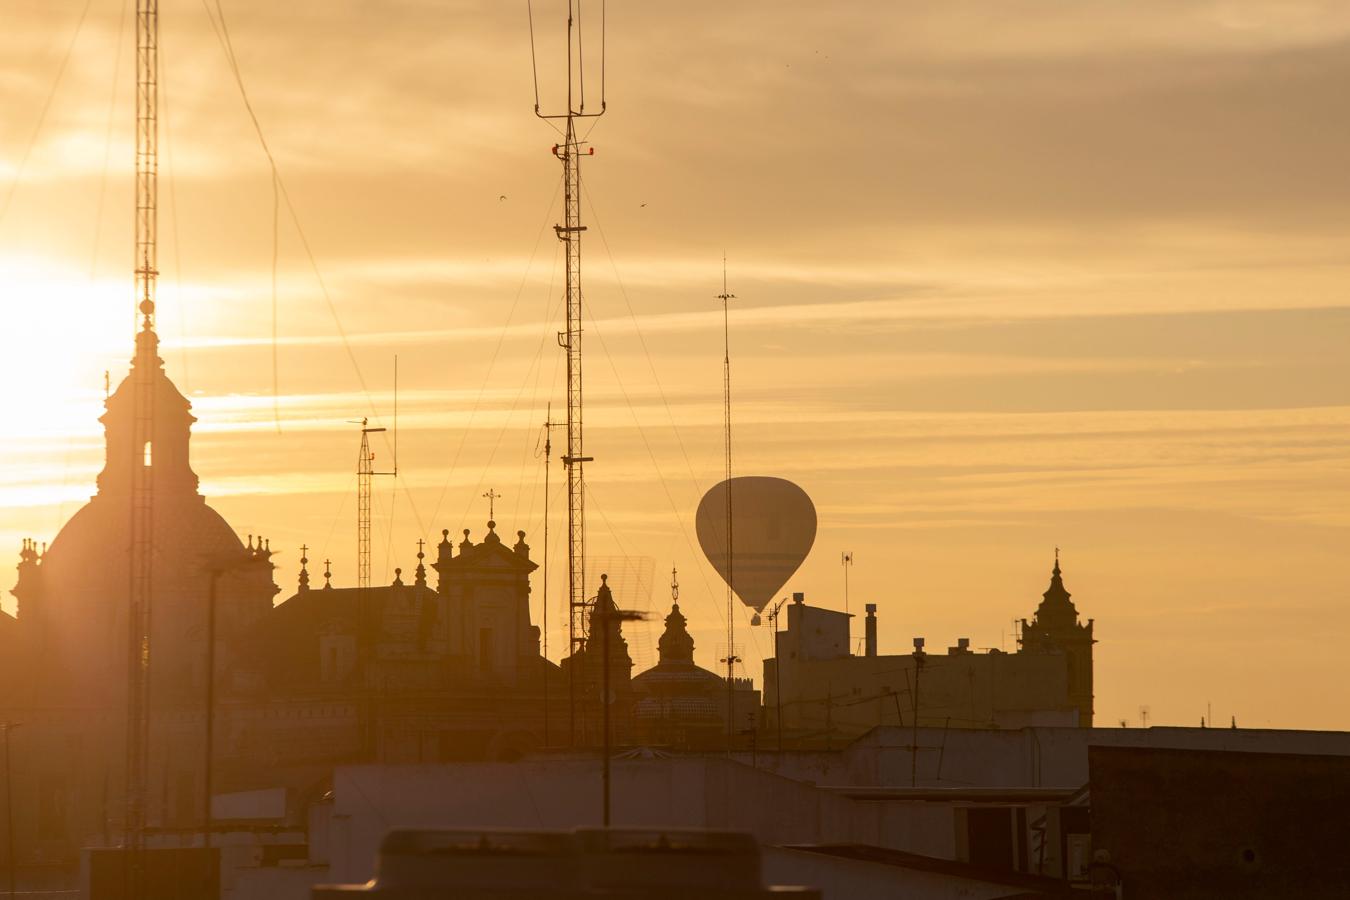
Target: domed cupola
{"points": [[166, 453], [676, 644]]}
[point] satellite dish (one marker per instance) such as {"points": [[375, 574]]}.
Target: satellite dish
{"points": [[773, 528]]}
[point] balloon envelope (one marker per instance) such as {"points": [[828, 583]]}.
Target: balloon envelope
{"points": [[772, 529]]}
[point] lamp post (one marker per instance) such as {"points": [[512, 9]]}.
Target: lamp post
{"points": [[214, 570], [603, 616], [9, 809], [919, 657], [777, 673], [210, 703]]}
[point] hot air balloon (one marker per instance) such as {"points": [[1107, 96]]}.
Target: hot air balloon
{"points": [[772, 529]]}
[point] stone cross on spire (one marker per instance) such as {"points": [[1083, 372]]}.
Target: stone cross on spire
{"points": [[304, 572]]}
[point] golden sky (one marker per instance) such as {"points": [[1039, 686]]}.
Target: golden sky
{"points": [[1011, 274]]}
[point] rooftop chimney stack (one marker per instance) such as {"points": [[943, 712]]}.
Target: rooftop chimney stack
{"points": [[870, 642]]}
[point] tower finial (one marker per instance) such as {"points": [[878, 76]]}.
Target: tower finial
{"points": [[304, 572], [327, 574]]}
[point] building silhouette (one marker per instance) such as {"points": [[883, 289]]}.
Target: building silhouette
{"points": [[820, 694], [679, 704], [443, 666], [404, 672], [1056, 629]]}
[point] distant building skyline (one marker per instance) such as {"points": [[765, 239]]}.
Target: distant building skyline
{"points": [[1071, 279]]}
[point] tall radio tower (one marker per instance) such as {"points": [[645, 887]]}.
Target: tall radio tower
{"points": [[569, 152], [142, 486]]}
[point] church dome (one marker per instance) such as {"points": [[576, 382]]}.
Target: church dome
{"points": [[86, 573], [676, 669]]}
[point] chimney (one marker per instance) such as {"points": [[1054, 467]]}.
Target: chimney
{"points": [[871, 624]]}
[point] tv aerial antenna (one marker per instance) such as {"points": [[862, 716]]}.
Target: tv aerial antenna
{"points": [[569, 152], [731, 658]]}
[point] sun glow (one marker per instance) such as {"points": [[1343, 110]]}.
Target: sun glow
{"points": [[65, 332]]}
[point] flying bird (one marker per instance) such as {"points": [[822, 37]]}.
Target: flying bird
{"points": [[502, 197]]}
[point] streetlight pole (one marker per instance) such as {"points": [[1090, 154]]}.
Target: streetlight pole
{"points": [[208, 760], [604, 616], [9, 809], [919, 658], [777, 673], [549, 425], [214, 570], [604, 714]]}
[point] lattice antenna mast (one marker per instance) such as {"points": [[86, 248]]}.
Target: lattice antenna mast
{"points": [[365, 478], [569, 152], [366, 625], [142, 482], [365, 475], [726, 297]]}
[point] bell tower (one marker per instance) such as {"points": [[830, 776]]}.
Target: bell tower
{"points": [[1056, 628], [165, 454]]}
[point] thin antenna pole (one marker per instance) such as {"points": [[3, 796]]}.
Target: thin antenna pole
{"points": [[534, 63], [581, 62], [731, 659], [569, 60], [142, 482], [549, 425]]}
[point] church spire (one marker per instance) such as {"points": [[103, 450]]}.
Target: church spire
{"points": [[1056, 607], [1056, 628]]}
